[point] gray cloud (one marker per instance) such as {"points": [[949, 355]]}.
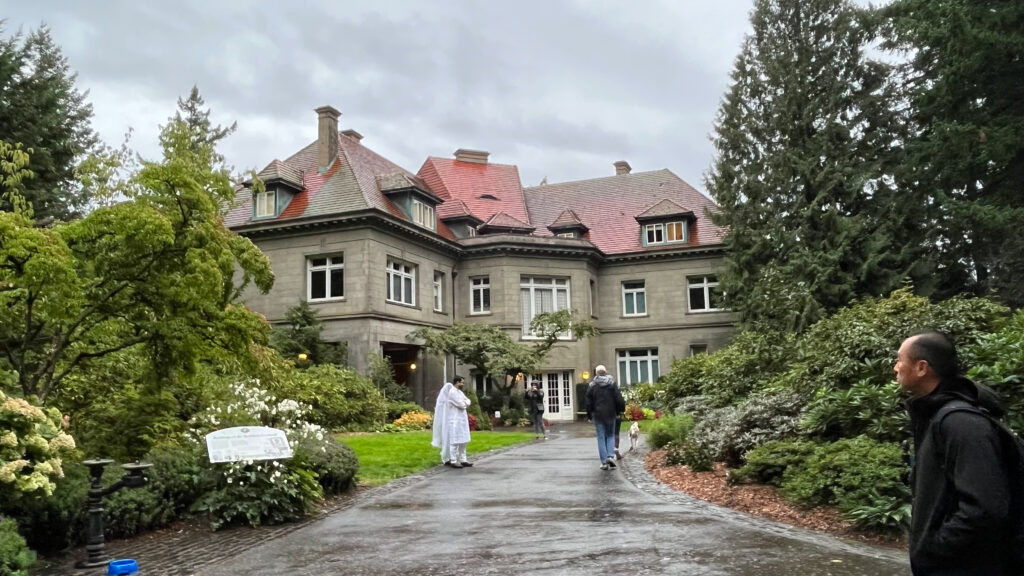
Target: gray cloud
{"points": [[561, 89]]}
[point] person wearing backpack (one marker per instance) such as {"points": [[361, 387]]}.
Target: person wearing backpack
{"points": [[964, 513]]}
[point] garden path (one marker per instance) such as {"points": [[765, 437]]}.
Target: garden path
{"points": [[547, 508]]}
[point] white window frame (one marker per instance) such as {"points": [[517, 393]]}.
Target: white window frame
{"points": [[332, 263], [265, 204], [630, 291], [406, 275], [706, 283], [438, 291], [423, 214], [481, 284], [566, 234], [530, 287], [642, 357], [660, 232], [471, 231]]}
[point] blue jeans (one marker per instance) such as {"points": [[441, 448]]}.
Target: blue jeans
{"points": [[605, 438]]}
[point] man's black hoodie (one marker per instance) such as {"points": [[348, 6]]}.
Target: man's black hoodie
{"points": [[960, 483]]}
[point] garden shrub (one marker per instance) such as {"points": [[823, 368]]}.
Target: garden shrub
{"points": [[475, 411], [414, 421], [865, 408], [734, 372], [339, 398], [382, 374], [729, 433], [696, 406], [845, 472], [767, 463], [882, 513], [334, 463], [255, 493], [32, 445], [670, 429], [396, 409], [15, 556], [259, 492], [997, 359], [634, 412], [56, 523]]}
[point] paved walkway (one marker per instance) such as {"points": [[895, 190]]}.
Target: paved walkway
{"points": [[543, 508]]}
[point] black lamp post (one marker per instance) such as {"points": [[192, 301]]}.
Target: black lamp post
{"points": [[133, 478]]}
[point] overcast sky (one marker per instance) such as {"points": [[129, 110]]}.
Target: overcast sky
{"points": [[561, 89]]}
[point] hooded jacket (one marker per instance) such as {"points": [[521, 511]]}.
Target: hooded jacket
{"points": [[604, 401], [961, 487]]}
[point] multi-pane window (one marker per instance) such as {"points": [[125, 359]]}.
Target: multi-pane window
{"points": [[325, 277], [566, 234], [266, 204], [704, 293], [540, 295], [634, 298], [663, 233], [438, 291], [480, 295], [636, 366], [401, 283], [470, 231], [423, 214]]}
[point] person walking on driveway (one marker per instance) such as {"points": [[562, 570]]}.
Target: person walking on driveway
{"points": [[458, 423], [604, 403], [535, 408], [961, 522]]}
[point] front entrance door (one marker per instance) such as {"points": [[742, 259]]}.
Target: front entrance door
{"points": [[558, 391]]}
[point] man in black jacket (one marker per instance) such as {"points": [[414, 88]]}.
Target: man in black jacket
{"points": [[960, 480], [604, 402]]}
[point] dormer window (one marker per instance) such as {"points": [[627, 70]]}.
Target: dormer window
{"points": [[665, 233], [567, 235], [423, 214], [265, 204]]}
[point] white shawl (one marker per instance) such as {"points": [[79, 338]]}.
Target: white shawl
{"points": [[441, 429]]}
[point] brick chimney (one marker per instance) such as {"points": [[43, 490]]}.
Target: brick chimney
{"points": [[327, 136], [622, 167], [352, 134], [471, 156]]}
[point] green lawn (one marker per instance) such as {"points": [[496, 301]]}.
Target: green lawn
{"points": [[387, 456]]}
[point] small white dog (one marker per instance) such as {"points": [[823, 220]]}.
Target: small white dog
{"points": [[634, 435]]}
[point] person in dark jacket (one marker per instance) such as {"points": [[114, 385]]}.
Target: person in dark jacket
{"points": [[535, 408], [960, 523], [604, 403]]}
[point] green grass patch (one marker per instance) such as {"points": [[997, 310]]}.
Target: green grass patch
{"points": [[387, 456]]}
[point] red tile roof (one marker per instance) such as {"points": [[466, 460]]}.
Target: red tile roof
{"points": [[502, 221], [350, 184], [486, 189], [608, 206]]}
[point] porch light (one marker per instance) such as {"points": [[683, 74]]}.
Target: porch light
{"points": [[412, 366], [585, 375]]}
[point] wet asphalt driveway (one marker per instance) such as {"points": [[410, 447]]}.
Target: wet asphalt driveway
{"points": [[544, 509]]}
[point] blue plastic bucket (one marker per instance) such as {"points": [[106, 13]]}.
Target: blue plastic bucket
{"points": [[119, 567]]}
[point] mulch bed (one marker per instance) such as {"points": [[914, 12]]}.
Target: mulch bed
{"points": [[758, 500]]}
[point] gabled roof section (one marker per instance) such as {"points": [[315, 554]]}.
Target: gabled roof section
{"points": [[485, 189], [456, 210], [403, 182], [349, 185], [567, 220], [502, 222], [608, 206], [278, 171], [664, 210]]}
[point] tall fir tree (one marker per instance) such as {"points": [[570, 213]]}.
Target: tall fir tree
{"points": [[806, 142], [41, 109], [964, 83]]}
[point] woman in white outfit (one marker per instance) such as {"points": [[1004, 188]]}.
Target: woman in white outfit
{"points": [[440, 436], [458, 423]]}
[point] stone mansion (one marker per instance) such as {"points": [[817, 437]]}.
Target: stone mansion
{"points": [[379, 251]]}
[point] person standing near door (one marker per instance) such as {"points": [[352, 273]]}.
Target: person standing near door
{"points": [[535, 408]]}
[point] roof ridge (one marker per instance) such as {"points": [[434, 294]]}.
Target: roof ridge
{"points": [[631, 174]]}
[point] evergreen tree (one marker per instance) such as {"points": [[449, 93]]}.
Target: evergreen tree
{"points": [[965, 86], [41, 109], [302, 336], [806, 145]]}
